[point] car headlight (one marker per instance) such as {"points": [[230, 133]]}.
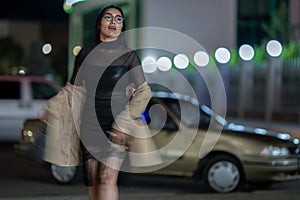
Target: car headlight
{"points": [[274, 151], [27, 136], [27, 133]]}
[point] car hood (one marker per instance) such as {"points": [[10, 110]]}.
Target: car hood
{"points": [[239, 128], [230, 126]]}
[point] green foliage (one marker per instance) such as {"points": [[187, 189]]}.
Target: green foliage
{"points": [[259, 53], [279, 28], [234, 57], [291, 50]]}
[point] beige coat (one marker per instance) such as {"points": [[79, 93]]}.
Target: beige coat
{"points": [[143, 151], [63, 121], [63, 139]]}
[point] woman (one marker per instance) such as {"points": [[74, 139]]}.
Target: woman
{"points": [[107, 69]]}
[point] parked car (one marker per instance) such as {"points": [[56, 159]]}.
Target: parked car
{"points": [[22, 97], [32, 147], [240, 155]]}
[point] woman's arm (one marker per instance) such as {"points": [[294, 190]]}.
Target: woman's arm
{"points": [[79, 58], [136, 73]]}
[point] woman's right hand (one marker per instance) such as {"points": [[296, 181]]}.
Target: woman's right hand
{"points": [[120, 138]]}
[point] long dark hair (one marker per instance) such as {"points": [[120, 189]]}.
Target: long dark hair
{"points": [[99, 17]]}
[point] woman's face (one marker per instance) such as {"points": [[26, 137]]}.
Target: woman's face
{"points": [[111, 25]]}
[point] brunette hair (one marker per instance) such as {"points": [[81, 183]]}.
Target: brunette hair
{"points": [[99, 17]]}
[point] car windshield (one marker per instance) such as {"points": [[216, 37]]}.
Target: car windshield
{"points": [[191, 110], [178, 103]]}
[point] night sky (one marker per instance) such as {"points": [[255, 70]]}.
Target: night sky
{"points": [[33, 10]]}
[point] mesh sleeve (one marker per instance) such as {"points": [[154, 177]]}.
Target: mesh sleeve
{"points": [[136, 73]]}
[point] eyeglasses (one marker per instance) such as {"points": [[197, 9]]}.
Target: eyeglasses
{"points": [[109, 17]]}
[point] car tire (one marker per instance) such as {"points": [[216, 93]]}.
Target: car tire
{"points": [[222, 173], [63, 175]]}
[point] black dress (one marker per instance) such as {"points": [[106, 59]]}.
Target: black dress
{"points": [[105, 70]]}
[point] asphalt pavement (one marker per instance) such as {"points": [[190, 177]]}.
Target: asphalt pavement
{"points": [[260, 195]]}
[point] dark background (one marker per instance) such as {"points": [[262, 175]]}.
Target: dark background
{"points": [[33, 10], [53, 21]]}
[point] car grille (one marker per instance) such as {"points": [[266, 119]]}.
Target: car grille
{"points": [[295, 150]]}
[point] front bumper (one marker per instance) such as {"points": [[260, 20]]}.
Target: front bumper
{"points": [[272, 169], [30, 151]]}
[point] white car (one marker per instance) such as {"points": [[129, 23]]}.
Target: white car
{"points": [[22, 97]]}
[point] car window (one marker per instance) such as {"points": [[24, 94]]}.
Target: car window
{"points": [[10, 90], [42, 90], [157, 120], [185, 111]]}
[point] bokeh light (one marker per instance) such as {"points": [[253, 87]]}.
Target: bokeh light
{"points": [[201, 58], [149, 64], [274, 48], [246, 52], [76, 50], [181, 61], [21, 72], [222, 55], [47, 48], [67, 8], [164, 64], [68, 5]]}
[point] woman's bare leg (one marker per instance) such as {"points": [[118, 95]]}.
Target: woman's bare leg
{"points": [[93, 192], [107, 189]]}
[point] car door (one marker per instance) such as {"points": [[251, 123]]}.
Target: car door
{"points": [[13, 109], [169, 135], [21, 98]]}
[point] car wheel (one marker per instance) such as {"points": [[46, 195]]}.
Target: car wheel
{"points": [[63, 175], [223, 173]]}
